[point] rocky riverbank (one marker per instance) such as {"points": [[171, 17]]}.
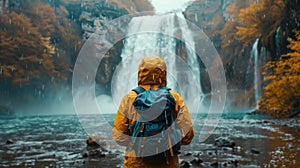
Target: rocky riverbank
{"points": [[247, 143], [60, 141]]}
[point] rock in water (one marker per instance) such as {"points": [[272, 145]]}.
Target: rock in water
{"points": [[197, 161], [185, 164], [224, 142], [97, 142], [9, 141], [188, 153], [214, 164], [254, 151]]}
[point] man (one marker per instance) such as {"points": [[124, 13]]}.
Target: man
{"points": [[151, 76]]}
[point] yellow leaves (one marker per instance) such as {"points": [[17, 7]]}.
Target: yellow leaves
{"points": [[11, 68], [7, 70], [231, 44], [233, 9], [50, 49], [283, 91], [259, 19], [271, 77], [294, 45], [48, 65], [247, 35], [26, 48], [65, 67], [31, 59]]}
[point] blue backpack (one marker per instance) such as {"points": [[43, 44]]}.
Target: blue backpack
{"points": [[155, 137]]}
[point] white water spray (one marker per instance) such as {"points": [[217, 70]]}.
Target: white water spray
{"points": [[155, 35], [257, 91]]}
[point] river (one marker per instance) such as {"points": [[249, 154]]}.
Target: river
{"points": [[60, 141]]}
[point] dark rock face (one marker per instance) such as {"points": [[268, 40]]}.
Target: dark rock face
{"points": [[92, 18], [224, 142]]}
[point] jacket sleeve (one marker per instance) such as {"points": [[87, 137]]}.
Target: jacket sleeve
{"points": [[183, 120], [120, 131]]}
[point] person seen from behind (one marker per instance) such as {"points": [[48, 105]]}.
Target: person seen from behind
{"points": [[152, 121]]}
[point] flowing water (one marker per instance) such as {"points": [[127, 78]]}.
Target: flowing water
{"points": [[60, 141], [257, 88], [158, 35]]}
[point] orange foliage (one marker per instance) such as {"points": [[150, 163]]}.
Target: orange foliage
{"points": [[21, 50], [233, 9], [260, 19], [42, 16], [230, 42], [53, 25], [27, 54], [282, 94]]}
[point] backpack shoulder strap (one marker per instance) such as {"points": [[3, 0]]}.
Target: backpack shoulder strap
{"points": [[138, 90], [165, 88]]}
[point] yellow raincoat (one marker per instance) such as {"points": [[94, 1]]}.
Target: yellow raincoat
{"points": [[151, 75]]}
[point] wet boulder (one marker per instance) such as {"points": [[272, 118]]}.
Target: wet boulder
{"points": [[9, 141], [196, 161], [96, 142], [254, 151], [214, 164], [187, 153], [224, 142], [95, 148], [185, 164]]}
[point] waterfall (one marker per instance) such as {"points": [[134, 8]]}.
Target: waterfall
{"points": [[192, 57], [155, 35], [254, 54], [138, 45], [277, 42]]}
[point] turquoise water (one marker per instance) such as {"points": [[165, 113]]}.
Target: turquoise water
{"points": [[60, 140]]}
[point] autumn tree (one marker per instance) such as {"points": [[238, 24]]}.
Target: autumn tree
{"points": [[229, 38], [26, 56], [262, 18], [281, 96], [63, 33]]}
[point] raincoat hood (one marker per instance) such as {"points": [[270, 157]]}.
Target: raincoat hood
{"points": [[152, 71]]}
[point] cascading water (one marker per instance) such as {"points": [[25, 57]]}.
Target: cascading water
{"points": [[155, 35], [192, 57], [254, 54], [277, 41], [138, 45]]}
